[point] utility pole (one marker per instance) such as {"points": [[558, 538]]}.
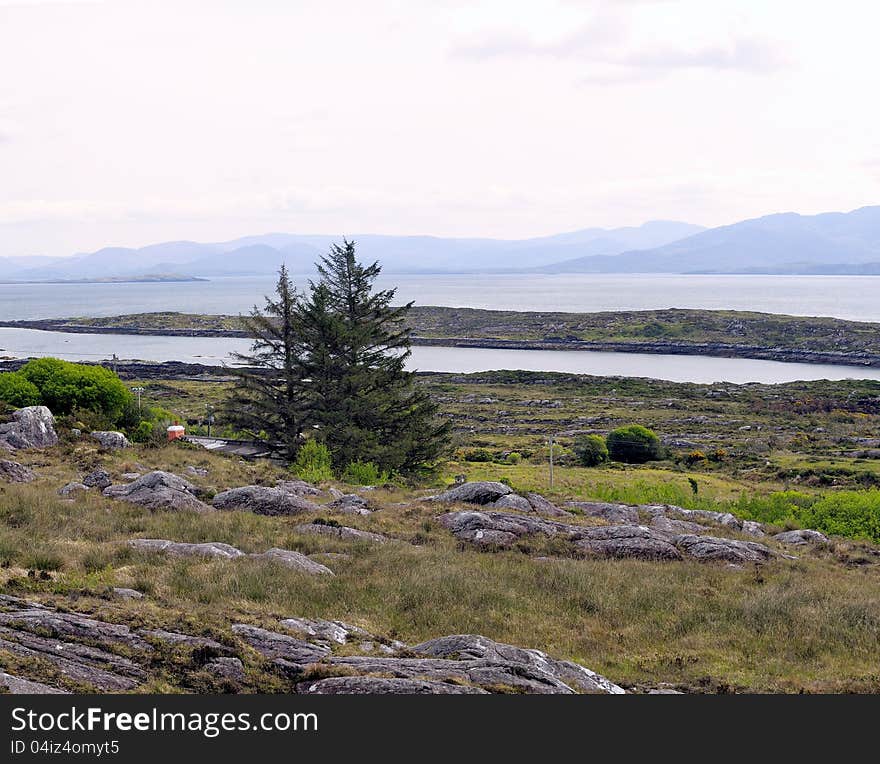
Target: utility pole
{"points": [[550, 443], [210, 417], [138, 391]]}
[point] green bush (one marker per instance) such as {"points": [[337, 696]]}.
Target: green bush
{"points": [[364, 473], [143, 433], [633, 444], [18, 391], [477, 455], [591, 450], [65, 386], [514, 457], [313, 462]]}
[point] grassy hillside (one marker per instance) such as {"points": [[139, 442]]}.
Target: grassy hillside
{"points": [[806, 624]]}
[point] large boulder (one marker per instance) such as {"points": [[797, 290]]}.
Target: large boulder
{"points": [[111, 440], [803, 536], [262, 500], [481, 492], [711, 548], [31, 427], [160, 490], [13, 472], [182, 549]]}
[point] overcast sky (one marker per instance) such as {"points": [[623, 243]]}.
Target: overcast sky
{"points": [[128, 123]]}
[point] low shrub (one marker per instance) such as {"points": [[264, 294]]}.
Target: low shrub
{"points": [[364, 473], [313, 462], [591, 450]]}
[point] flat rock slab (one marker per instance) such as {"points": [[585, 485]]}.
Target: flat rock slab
{"points": [[175, 638], [71, 625], [13, 472], [368, 685], [476, 646], [262, 500], [544, 507], [711, 548], [31, 427], [800, 537], [626, 541], [623, 514], [17, 686], [293, 560], [160, 490], [328, 631], [275, 646], [671, 527], [341, 532], [181, 549], [298, 487]]}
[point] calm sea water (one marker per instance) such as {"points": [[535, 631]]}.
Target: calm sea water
{"points": [[850, 297], [215, 351]]}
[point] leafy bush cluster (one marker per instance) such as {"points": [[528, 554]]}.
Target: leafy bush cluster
{"points": [[66, 387], [632, 444], [314, 463]]}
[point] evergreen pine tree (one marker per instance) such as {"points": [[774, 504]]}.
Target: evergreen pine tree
{"points": [[270, 397], [367, 406]]}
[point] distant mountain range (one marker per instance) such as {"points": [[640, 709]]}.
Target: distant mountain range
{"points": [[847, 243]]}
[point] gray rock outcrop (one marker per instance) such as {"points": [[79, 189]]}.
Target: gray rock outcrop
{"points": [[160, 490], [13, 472], [31, 427], [341, 532], [181, 549], [623, 541], [262, 500], [110, 439], [614, 513], [71, 489], [711, 548], [799, 537], [293, 560], [371, 685], [98, 478], [481, 492]]}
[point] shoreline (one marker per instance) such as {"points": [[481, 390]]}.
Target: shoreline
{"points": [[655, 347]]}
